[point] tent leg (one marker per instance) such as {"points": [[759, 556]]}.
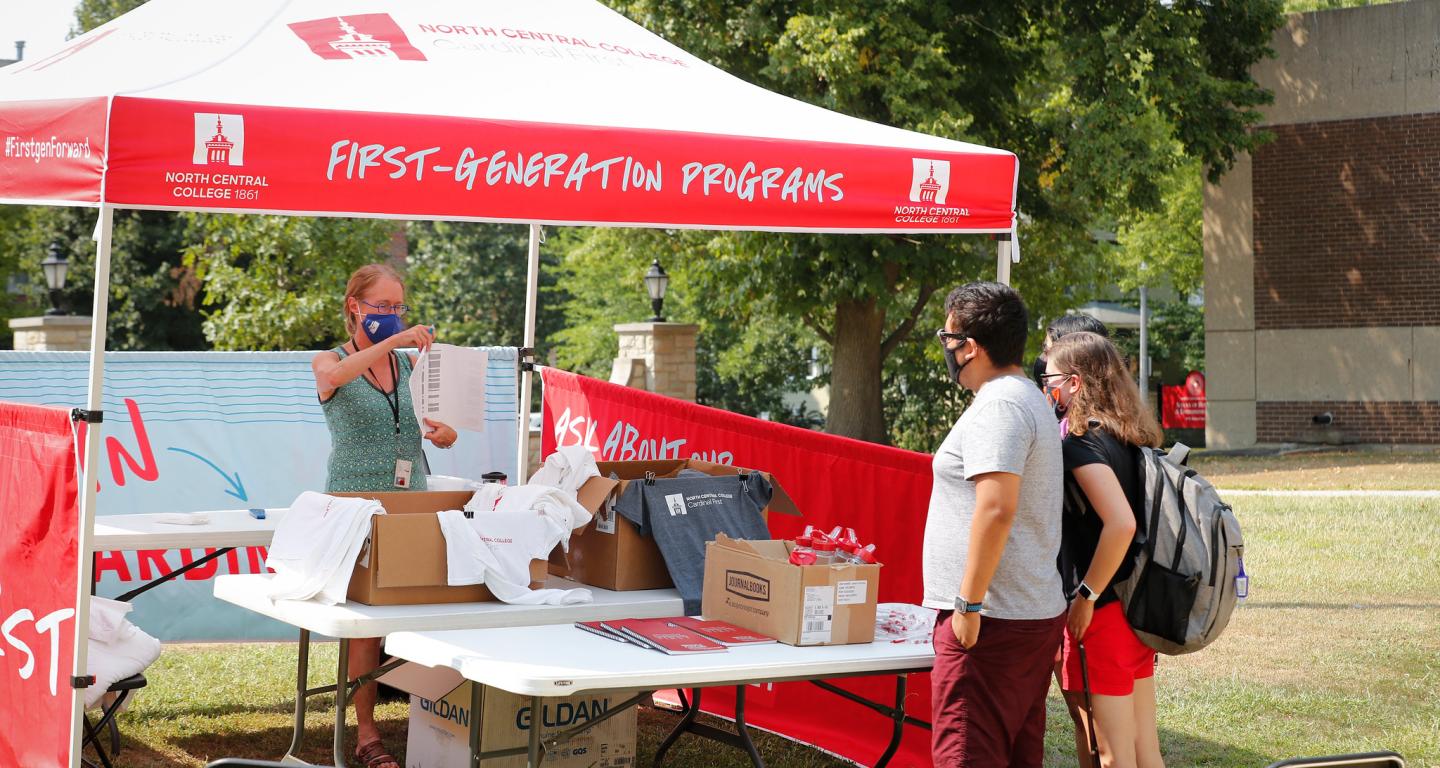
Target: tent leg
{"points": [[532, 295], [1002, 263], [93, 402]]}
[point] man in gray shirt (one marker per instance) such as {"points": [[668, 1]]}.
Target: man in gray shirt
{"points": [[991, 541]]}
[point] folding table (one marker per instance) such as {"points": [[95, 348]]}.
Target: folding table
{"points": [[225, 530], [349, 621], [552, 660]]}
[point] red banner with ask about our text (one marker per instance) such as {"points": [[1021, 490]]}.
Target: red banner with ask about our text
{"points": [[881, 492], [40, 550]]}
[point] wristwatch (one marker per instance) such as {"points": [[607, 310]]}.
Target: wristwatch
{"points": [[965, 606], [1086, 592]]}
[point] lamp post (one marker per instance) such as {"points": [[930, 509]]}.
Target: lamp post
{"points": [[656, 281], [55, 267]]}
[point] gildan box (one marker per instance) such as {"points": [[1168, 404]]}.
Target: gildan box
{"points": [[611, 553], [403, 562], [753, 584], [439, 734]]}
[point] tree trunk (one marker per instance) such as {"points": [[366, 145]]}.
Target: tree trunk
{"points": [[856, 405]]}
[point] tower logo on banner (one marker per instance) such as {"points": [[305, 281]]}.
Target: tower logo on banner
{"points": [[366, 36], [219, 139], [930, 181]]}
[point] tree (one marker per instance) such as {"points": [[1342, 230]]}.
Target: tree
{"points": [[276, 282], [468, 280], [90, 14], [1092, 98]]}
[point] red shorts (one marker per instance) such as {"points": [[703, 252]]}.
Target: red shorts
{"points": [[1115, 657]]}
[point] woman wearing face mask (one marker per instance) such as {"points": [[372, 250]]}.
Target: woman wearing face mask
{"points": [[1090, 386], [364, 390]]}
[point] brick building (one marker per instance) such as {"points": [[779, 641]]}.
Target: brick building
{"points": [[1322, 250]]}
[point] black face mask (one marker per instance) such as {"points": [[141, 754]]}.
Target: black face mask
{"points": [[1037, 371], [953, 364]]}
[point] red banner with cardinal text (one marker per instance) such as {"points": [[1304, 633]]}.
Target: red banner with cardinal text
{"points": [[883, 493], [39, 547]]}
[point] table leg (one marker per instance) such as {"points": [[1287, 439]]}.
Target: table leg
{"points": [[898, 729], [342, 701], [302, 674], [687, 724], [477, 705], [533, 760]]}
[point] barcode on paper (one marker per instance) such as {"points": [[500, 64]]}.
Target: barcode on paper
{"points": [[432, 383]]}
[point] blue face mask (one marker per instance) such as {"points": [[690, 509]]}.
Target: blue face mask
{"points": [[380, 327]]}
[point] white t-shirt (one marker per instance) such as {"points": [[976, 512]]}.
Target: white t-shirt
{"points": [[1009, 427]]}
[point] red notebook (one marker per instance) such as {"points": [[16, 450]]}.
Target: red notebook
{"points": [[661, 635], [722, 632], [598, 628]]}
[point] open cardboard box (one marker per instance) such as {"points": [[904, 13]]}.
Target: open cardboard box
{"points": [[404, 560], [611, 553], [753, 584]]}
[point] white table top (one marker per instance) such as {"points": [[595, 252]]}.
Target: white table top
{"points": [[226, 528], [351, 620], [563, 660]]}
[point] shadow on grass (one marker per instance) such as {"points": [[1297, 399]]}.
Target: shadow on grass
{"points": [[1186, 749], [270, 744]]}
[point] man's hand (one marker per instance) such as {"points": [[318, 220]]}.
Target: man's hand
{"points": [[966, 627]]}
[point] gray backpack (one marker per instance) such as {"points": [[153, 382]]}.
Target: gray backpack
{"points": [[1188, 567]]}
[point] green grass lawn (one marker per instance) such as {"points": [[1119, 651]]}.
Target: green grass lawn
{"points": [[1324, 471], [1337, 650]]}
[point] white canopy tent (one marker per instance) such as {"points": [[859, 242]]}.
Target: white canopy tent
{"points": [[543, 112]]}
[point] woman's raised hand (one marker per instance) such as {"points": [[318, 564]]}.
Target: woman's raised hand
{"points": [[417, 336]]}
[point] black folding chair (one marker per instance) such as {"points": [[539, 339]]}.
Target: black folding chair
{"points": [[1360, 760], [107, 721]]}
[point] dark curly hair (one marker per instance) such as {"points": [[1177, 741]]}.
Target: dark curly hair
{"points": [[994, 316]]}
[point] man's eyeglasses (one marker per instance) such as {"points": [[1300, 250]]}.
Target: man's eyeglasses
{"points": [[946, 336], [386, 308]]}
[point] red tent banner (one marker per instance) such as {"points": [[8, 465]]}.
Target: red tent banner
{"points": [[39, 550], [881, 492]]}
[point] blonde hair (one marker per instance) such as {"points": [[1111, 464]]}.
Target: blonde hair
{"points": [[360, 282], [1107, 396]]}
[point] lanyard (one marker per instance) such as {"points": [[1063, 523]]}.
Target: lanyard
{"points": [[392, 398]]}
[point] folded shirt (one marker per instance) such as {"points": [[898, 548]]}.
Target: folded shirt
{"points": [[316, 545], [495, 549], [543, 500], [117, 649]]}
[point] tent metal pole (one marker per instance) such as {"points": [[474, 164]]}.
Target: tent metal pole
{"points": [[1002, 259], [94, 401], [532, 296]]}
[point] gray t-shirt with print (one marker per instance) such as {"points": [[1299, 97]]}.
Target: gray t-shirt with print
{"points": [[1009, 427]]}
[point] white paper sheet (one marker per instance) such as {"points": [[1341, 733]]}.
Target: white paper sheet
{"points": [[448, 386]]}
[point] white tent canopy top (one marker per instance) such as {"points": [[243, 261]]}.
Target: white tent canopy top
{"points": [[559, 111]]}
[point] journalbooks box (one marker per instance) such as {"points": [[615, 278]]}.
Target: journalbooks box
{"points": [[753, 584]]}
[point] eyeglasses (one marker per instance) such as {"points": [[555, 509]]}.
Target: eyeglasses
{"points": [[386, 308], [943, 336], [1046, 377]]}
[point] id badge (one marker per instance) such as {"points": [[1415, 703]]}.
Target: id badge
{"points": [[402, 473]]}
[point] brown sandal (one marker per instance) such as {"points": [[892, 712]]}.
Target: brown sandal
{"points": [[373, 755]]}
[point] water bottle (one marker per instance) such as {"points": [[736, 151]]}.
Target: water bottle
{"points": [[1242, 583]]}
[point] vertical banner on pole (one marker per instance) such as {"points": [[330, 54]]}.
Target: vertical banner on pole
{"points": [[39, 546]]}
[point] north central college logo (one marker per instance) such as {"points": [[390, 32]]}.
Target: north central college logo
{"points": [[219, 139], [930, 181], [364, 36]]}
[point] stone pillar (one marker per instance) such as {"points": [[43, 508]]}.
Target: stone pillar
{"points": [[659, 357], [52, 333]]}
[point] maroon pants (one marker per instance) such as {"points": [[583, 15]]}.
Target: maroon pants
{"points": [[988, 701]]}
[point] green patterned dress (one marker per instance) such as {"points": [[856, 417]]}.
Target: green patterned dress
{"points": [[363, 442]]}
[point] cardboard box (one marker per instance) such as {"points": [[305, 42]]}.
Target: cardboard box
{"points": [[403, 562], [752, 584], [609, 552], [439, 734]]}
